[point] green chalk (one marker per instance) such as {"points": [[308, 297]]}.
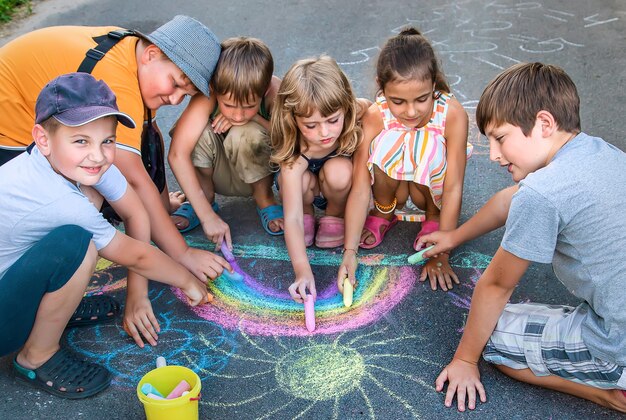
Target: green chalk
{"points": [[419, 256]]}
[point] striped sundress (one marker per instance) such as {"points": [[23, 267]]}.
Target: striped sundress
{"points": [[413, 154]]}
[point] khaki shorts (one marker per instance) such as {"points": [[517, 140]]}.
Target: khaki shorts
{"points": [[238, 158]]}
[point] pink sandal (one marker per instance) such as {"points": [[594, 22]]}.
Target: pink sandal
{"points": [[330, 232], [428, 226], [309, 229], [373, 225]]}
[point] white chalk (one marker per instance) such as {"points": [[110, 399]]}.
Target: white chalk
{"points": [[160, 362]]}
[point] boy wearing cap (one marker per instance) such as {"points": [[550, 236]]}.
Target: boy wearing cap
{"points": [[221, 143], [51, 232], [145, 72]]}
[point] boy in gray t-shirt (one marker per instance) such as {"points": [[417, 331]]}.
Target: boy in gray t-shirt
{"points": [[566, 210], [51, 233]]}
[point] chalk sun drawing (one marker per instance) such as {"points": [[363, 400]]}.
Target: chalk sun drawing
{"points": [[252, 306], [322, 377]]}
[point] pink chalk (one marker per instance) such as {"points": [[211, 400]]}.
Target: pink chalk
{"points": [[309, 313], [178, 391]]}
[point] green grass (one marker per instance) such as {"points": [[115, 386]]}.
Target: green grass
{"points": [[7, 7]]}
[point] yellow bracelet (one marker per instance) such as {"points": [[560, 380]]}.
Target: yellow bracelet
{"points": [[386, 209]]}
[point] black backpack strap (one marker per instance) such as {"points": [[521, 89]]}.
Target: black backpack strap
{"points": [[105, 43]]}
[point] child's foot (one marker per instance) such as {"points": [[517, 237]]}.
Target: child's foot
{"points": [[271, 218], [186, 219], [375, 228], [176, 200], [275, 225]]}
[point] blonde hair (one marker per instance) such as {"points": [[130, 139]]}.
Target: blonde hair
{"points": [[312, 84], [516, 95], [244, 69]]}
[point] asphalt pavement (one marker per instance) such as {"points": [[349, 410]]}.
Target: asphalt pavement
{"points": [[380, 359]]}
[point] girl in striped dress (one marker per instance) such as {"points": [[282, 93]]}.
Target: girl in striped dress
{"points": [[415, 145]]}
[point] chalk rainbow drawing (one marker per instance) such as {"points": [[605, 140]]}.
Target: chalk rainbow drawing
{"points": [[321, 376], [253, 307]]}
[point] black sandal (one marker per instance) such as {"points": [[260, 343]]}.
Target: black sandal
{"points": [[66, 376], [94, 310]]}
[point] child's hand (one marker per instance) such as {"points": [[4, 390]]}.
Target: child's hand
{"points": [[347, 269], [216, 231], [203, 264], [298, 288], [221, 124], [443, 242], [196, 292], [139, 320], [438, 271], [463, 380]]}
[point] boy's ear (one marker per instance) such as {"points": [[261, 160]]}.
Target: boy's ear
{"points": [[151, 52], [548, 124], [42, 140]]}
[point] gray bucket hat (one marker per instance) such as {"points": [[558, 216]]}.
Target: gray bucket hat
{"points": [[191, 46]]}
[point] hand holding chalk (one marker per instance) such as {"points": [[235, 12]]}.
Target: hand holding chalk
{"points": [[348, 290], [228, 256], [419, 256], [309, 313]]}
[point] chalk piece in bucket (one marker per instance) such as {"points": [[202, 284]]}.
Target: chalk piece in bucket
{"points": [[234, 276], [228, 256], [154, 397], [160, 362], [419, 256], [309, 313], [165, 379], [348, 290], [178, 391], [149, 389]]}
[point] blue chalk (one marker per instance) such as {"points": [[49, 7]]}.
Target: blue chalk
{"points": [[149, 389], [234, 276]]}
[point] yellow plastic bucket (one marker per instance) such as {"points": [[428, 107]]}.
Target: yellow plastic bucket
{"points": [[165, 380]]}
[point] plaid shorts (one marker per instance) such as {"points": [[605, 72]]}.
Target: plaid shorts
{"points": [[547, 339]]}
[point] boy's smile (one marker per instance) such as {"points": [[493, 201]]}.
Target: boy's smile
{"points": [[521, 155], [161, 82], [81, 154]]}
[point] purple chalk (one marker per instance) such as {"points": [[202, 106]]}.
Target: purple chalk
{"points": [[154, 397], [309, 313], [226, 253], [178, 391]]}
